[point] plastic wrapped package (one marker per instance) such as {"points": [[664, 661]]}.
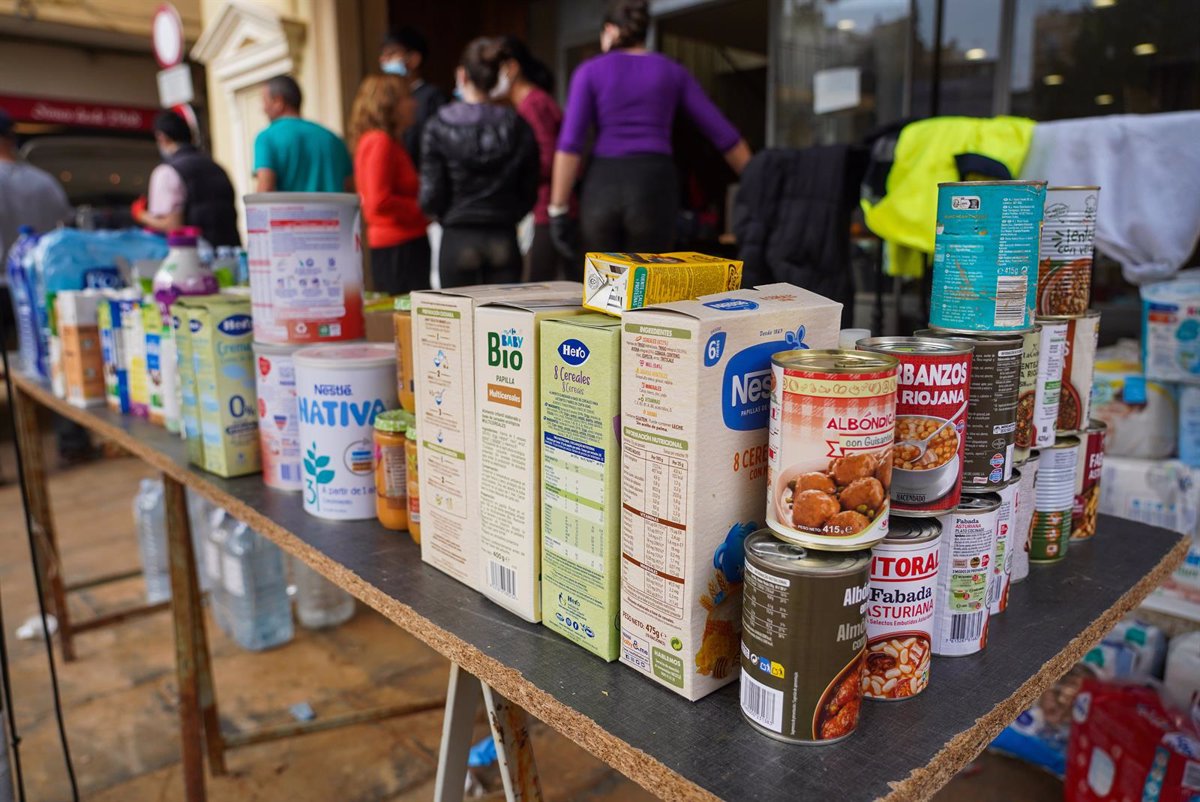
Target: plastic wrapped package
{"points": [[1142, 414]]}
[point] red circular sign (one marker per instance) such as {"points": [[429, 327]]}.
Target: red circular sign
{"points": [[166, 32]]}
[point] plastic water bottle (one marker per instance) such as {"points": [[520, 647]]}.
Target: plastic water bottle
{"points": [[200, 512], [255, 589], [319, 602], [182, 272], [33, 357], [150, 519]]}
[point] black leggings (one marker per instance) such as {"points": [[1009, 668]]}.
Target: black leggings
{"points": [[545, 263], [402, 268], [630, 204], [477, 255]]}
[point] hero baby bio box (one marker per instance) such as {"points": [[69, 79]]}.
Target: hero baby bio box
{"points": [[695, 398]]}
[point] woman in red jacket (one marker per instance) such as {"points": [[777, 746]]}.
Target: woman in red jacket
{"points": [[388, 183]]}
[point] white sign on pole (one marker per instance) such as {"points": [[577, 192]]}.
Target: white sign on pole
{"points": [[175, 86], [836, 89]]}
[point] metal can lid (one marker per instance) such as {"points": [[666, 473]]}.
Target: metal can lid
{"points": [[1064, 441], [903, 529], [834, 360], [393, 421], [1034, 456], [764, 548], [915, 345], [984, 502], [1096, 426], [1025, 182], [999, 337], [1079, 186]]}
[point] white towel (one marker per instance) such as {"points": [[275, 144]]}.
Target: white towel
{"points": [[1148, 170]]}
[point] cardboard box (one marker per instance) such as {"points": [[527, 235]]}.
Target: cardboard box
{"points": [[581, 480], [444, 357], [694, 410], [617, 282], [508, 441], [152, 325], [82, 354], [134, 331], [189, 400], [112, 346]]}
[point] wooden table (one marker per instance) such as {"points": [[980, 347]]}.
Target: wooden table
{"points": [[676, 749]]}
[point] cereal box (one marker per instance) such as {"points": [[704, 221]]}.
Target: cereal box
{"points": [[616, 282], [82, 356]]}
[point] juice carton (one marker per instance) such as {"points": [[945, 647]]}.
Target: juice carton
{"points": [[133, 326], [77, 313], [508, 441], [695, 400], [616, 282], [581, 480], [189, 401], [443, 332], [223, 361], [112, 346], [152, 328]]}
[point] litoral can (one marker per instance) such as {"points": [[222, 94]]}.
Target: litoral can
{"points": [[904, 570], [960, 612], [1023, 518], [1054, 500], [1088, 468], [804, 637], [985, 255], [1079, 368], [304, 251], [931, 418], [992, 411], [339, 391], [1065, 252], [1001, 577], [830, 431], [278, 424], [1051, 355], [1031, 342]]}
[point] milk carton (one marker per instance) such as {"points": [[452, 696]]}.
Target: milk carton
{"points": [[134, 330], [443, 324], [508, 441], [223, 361], [152, 328], [77, 313], [695, 400], [189, 403], [581, 480], [109, 317]]}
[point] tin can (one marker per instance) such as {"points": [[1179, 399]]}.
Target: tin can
{"points": [[931, 419], [1079, 368], [1065, 252], [1001, 577], [278, 424], [304, 254], [985, 255], [904, 570], [804, 637], [1188, 433], [960, 612], [339, 391], [1087, 480], [1026, 394], [829, 461], [1051, 356], [1023, 518], [1054, 500], [992, 411]]}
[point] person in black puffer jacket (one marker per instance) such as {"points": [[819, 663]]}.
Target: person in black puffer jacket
{"points": [[479, 174]]}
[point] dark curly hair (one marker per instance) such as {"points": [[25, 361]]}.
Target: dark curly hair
{"points": [[632, 18]]}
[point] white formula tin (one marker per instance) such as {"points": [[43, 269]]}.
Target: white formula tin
{"points": [[960, 618], [278, 421], [339, 391], [305, 260]]}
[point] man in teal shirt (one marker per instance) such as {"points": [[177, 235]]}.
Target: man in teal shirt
{"points": [[295, 155]]}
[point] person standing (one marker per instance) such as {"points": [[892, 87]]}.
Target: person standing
{"points": [[404, 53], [188, 188], [295, 155], [479, 175], [388, 184], [527, 83], [629, 96], [28, 196]]}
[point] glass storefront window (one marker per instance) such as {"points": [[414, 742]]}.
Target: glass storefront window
{"points": [[970, 51]]}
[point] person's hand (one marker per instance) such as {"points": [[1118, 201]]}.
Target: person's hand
{"points": [[564, 233], [137, 209]]}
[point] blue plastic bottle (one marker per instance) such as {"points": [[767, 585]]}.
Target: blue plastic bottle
{"points": [[32, 350], [255, 590]]}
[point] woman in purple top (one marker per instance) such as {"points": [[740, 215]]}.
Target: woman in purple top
{"points": [[630, 96]]}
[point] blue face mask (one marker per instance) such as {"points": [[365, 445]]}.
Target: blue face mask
{"points": [[395, 67]]}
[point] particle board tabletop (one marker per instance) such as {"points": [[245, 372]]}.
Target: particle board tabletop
{"points": [[699, 750]]}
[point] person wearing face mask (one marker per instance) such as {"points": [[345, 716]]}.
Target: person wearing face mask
{"points": [[479, 174], [527, 83], [387, 184], [188, 188], [403, 54], [629, 96]]}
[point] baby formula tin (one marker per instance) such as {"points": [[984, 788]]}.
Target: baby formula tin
{"points": [[1088, 468], [804, 635], [1026, 394], [1065, 254], [278, 425], [964, 570], [1170, 325], [904, 570], [833, 416], [931, 421], [305, 260], [1054, 502], [985, 255], [339, 391], [1079, 368]]}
